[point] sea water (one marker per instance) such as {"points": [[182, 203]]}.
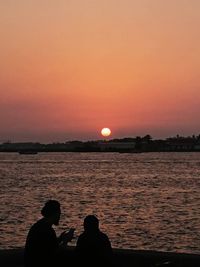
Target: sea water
{"points": [[145, 201]]}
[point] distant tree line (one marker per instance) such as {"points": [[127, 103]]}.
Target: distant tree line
{"points": [[128, 144]]}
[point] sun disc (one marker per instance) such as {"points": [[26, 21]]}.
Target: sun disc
{"points": [[105, 132]]}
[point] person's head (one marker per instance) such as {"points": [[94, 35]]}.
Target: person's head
{"points": [[91, 223], [52, 211]]}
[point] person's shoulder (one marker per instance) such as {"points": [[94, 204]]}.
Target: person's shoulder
{"points": [[104, 238], [39, 225], [103, 234]]}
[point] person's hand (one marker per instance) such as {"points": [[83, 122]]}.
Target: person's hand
{"points": [[67, 237]]}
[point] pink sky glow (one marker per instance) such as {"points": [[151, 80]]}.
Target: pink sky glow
{"points": [[70, 68]]}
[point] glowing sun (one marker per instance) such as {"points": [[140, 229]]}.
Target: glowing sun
{"points": [[105, 132]]}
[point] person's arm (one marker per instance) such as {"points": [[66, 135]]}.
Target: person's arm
{"points": [[64, 238]]}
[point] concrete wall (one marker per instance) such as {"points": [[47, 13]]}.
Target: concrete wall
{"points": [[14, 258]]}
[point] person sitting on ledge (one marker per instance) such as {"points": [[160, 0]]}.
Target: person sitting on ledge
{"points": [[42, 244], [93, 247]]}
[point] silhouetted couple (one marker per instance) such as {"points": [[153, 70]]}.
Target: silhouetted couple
{"points": [[42, 245]]}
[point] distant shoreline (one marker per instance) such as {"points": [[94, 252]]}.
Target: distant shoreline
{"points": [[125, 145]]}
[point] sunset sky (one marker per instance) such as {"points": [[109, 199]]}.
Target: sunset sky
{"points": [[68, 68]]}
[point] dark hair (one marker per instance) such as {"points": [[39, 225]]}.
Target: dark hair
{"points": [[50, 208], [91, 223]]}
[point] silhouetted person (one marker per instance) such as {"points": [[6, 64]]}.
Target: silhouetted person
{"points": [[93, 247], [42, 244]]}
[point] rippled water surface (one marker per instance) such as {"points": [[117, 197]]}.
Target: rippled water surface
{"points": [[143, 201]]}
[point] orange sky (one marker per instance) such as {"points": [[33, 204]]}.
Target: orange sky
{"points": [[70, 68]]}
